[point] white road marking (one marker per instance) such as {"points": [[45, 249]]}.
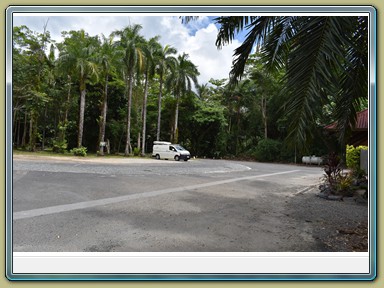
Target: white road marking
{"points": [[100, 202], [228, 171]]}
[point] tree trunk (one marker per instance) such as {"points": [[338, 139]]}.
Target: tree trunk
{"points": [[14, 126], [67, 105], [81, 114], [128, 147], [43, 136], [23, 139], [159, 108], [103, 118], [144, 114], [138, 141], [32, 131], [176, 131], [264, 112], [18, 133], [108, 147]]}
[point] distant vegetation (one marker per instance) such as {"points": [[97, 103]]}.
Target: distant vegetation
{"points": [[119, 93]]}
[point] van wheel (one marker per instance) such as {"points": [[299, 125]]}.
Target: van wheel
{"points": [[177, 158], [157, 156], [185, 160]]}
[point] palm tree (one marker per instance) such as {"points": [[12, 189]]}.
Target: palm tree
{"points": [[106, 56], [322, 54], [150, 48], [131, 42], [165, 62], [203, 91], [78, 54], [180, 80]]}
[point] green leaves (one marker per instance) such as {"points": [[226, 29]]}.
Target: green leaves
{"points": [[183, 74], [325, 59]]}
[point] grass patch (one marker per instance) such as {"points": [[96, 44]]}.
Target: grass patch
{"points": [[48, 152], [40, 153]]}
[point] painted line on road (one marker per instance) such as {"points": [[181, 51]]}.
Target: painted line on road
{"points": [[227, 171], [106, 201], [305, 190]]}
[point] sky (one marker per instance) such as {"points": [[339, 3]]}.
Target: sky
{"points": [[197, 38]]}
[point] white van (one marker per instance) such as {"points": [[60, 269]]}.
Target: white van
{"points": [[167, 150]]}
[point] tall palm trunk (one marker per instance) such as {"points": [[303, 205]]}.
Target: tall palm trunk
{"points": [[144, 113], [103, 117], [159, 108], [81, 114], [62, 132], [176, 131], [128, 147]]}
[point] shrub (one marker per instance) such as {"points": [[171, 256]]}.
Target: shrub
{"points": [[136, 151], [287, 154], [82, 151], [59, 146], [333, 171], [344, 185], [360, 175], [353, 156], [267, 150]]}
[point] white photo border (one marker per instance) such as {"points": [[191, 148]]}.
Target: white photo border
{"points": [[12, 257]]}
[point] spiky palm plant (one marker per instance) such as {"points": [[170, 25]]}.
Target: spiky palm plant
{"points": [[326, 59]]}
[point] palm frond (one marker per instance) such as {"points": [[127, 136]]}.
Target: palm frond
{"points": [[354, 80], [313, 64], [229, 27], [187, 19], [259, 28], [275, 50]]}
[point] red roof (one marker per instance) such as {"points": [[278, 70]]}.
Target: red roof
{"points": [[361, 121]]}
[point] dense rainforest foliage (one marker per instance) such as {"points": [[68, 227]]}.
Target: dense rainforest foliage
{"points": [[124, 91]]}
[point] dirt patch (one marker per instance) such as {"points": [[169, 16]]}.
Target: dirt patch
{"points": [[354, 239], [338, 226], [109, 160]]}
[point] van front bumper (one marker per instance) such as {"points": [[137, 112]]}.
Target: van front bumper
{"points": [[185, 157]]}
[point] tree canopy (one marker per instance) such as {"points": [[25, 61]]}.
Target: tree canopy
{"points": [[290, 77], [326, 61]]}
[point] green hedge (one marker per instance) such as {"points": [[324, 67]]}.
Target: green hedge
{"points": [[82, 151], [267, 150], [353, 156]]}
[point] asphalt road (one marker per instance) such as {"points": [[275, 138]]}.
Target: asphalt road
{"points": [[145, 205]]}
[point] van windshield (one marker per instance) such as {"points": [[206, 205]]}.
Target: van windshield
{"points": [[179, 148]]}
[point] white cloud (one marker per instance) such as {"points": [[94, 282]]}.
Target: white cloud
{"points": [[197, 38], [211, 62]]}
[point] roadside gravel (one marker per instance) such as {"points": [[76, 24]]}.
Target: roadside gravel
{"points": [[338, 226]]}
